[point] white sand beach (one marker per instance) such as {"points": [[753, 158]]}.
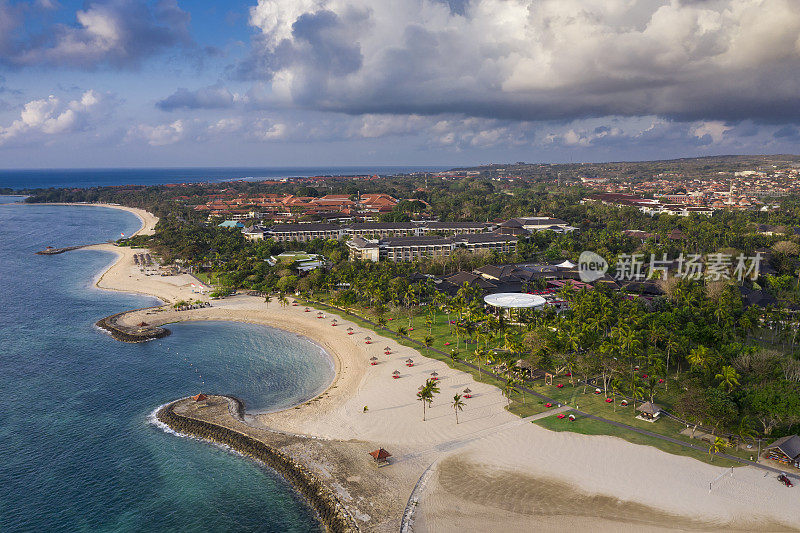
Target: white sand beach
{"points": [[493, 471]]}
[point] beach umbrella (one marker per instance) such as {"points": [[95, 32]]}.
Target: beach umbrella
{"points": [[373, 358], [367, 338], [387, 349], [350, 329], [467, 391], [409, 360], [396, 372], [434, 373]]}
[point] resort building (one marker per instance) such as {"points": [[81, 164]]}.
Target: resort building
{"points": [[377, 230], [411, 248], [252, 233], [363, 249], [528, 225], [305, 232], [454, 228]]}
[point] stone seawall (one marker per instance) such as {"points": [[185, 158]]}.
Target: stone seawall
{"points": [[130, 334], [332, 514]]}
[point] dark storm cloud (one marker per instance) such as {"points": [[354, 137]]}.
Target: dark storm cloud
{"points": [[117, 33]]}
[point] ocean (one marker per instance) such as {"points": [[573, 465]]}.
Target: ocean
{"points": [[78, 450], [82, 178]]}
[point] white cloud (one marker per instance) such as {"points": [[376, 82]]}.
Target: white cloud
{"points": [[715, 130], [533, 60], [161, 134], [47, 118]]}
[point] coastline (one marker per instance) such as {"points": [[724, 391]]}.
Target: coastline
{"points": [[490, 448]]}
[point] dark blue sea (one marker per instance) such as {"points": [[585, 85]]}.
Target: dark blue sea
{"points": [[77, 449], [83, 178]]}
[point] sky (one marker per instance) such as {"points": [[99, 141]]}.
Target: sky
{"points": [[127, 83]]}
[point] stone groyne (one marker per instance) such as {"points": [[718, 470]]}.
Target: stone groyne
{"points": [[123, 333], [331, 512]]}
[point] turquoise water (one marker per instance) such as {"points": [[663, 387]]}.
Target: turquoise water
{"points": [[77, 452]]}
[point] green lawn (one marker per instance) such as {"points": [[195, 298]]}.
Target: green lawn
{"points": [[588, 426], [206, 277], [567, 394]]}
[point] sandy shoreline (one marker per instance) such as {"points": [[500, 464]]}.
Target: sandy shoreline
{"points": [[493, 471]]}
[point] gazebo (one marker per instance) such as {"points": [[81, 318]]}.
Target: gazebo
{"points": [[507, 301], [381, 456], [649, 410], [785, 450]]}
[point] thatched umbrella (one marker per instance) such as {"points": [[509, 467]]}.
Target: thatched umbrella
{"points": [[435, 374], [368, 339], [374, 360], [396, 374], [307, 310], [409, 360], [388, 349], [467, 391]]}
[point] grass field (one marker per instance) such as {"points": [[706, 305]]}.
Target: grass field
{"points": [[588, 401], [588, 426]]}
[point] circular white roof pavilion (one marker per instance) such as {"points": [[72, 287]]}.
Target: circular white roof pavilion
{"points": [[514, 300]]}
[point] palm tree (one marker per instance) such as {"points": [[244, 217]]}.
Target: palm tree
{"points": [[382, 321], [401, 331], [718, 446], [284, 301], [454, 355], [458, 405], [427, 341], [700, 357], [426, 394], [728, 378], [510, 388], [267, 299]]}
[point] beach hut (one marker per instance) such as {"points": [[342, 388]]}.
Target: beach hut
{"points": [[374, 360], [785, 450], [380, 456], [467, 393], [396, 374], [650, 411]]}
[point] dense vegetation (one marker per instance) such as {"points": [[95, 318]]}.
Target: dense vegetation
{"points": [[697, 349]]}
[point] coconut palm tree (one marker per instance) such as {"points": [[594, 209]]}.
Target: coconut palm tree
{"points": [[427, 341], [458, 405], [510, 388], [267, 299], [401, 331], [728, 378], [718, 446], [426, 394]]}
